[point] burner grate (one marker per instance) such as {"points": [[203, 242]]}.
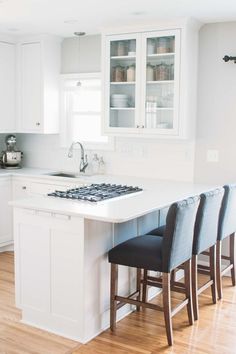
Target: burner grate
{"points": [[96, 192]]}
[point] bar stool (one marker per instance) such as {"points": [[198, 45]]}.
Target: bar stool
{"points": [[162, 254], [227, 228], [205, 237]]}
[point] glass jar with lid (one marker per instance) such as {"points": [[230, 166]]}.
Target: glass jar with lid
{"points": [[151, 46], [130, 73], [162, 72], [118, 73], [122, 48], [163, 45], [150, 72]]}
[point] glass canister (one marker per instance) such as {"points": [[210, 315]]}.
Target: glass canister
{"points": [[130, 73], [118, 74], [151, 46], [163, 45], [162, 72], [150, 72], [121, 49]]}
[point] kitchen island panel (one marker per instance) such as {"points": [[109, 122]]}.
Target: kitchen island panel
{"points": [[49, 271]]}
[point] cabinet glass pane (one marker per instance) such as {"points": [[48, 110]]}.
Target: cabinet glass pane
{"points": [[122, 83], [160, 76]]}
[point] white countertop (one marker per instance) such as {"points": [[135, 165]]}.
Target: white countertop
{"points": [[32, 172], [156, 194]]}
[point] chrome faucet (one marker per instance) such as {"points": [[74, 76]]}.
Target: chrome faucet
{"points": [[83, 159]]}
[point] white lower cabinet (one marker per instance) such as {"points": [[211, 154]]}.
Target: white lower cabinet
{"points": [[49, 268], [62, 271], [5, 212]]}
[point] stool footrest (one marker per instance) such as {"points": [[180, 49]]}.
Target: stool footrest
{"points": [[138, 303], [120, 304], [204, 287], [179, 307], [225, 270]]}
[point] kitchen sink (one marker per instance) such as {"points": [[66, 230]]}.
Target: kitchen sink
{"points": [[63, 174]]}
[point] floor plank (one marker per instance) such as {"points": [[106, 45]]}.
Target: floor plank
{"points": [[140, 333]]}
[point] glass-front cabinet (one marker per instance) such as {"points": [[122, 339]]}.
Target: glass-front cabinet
{"points": [[121, 83], [141, 83], [160, 83]]}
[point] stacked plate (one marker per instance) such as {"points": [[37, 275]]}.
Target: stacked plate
{"points": [[119, 100]]}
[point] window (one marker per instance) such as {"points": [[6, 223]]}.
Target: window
{"points": [[81, 111]]}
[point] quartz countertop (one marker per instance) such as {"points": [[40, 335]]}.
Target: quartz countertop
{"points": [[156, 194]]}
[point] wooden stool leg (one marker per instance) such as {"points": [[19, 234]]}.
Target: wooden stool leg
{"points": [[218, 269], [145, 273], [213, 272], [173, 273], [167, 306], [113, 302], [195, 288], [138, 288], [188, 290], [232, 257]]}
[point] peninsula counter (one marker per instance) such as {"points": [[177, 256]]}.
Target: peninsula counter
{"points": [[62, 275]]}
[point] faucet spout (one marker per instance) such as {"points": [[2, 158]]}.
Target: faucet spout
{"points": [[83, 159]]}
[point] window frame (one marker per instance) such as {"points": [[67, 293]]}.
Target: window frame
{"points": [[65, 140]]}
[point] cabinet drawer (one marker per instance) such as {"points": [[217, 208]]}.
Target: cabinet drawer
{"points": [[43, 189]]}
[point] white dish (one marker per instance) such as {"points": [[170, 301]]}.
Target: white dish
{"points": [[119, 104], [119, 95]]}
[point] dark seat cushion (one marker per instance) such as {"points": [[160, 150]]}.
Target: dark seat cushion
{"points": [[139, 252], [159, 231]]}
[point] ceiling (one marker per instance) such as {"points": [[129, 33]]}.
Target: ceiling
{"points": [[63, 17]]}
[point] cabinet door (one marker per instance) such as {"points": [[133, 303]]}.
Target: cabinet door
{"points": [[7, 87], [122, 83], [6, 212], [31, 87], [160, 82]]}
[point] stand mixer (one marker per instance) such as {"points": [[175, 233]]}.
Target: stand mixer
{"points": [[11, 157]]}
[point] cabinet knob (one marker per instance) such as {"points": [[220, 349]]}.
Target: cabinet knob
{"points": [[24, 187], [142, 126], [38, 124], [137, 126]]}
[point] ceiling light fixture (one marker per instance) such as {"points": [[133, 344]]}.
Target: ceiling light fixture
{"points": [[79, 34]]}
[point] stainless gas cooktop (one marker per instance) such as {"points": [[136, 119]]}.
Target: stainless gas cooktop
{"points": [[96, 192]]}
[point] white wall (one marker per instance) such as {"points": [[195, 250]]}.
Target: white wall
{"points": [[216, 123], [139, 157]]}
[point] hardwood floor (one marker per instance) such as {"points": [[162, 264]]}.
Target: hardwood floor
{"points": [[140, 333]]}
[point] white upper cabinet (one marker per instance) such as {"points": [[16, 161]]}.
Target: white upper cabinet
{"points": [[31, 93], [146, 78], [7, 87], [38, 85]]}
